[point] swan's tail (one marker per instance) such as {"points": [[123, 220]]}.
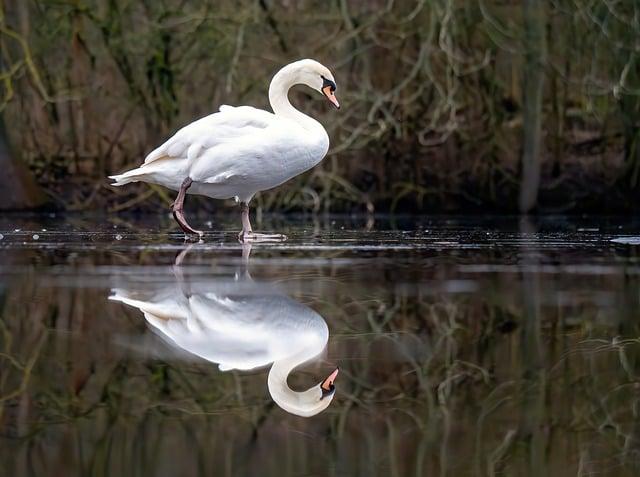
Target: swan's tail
{"points": [[123, 296], [133, 175], [158, 310]]}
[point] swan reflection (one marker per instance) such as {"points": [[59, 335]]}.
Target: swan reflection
{"points": [[243, 328]]}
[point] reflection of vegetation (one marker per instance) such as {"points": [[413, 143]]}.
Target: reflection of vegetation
{"points": [[441, 97], [481, 383]]}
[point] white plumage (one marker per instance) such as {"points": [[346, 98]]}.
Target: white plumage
{"points": [[240, 151], [244, 330], [241, 332]]}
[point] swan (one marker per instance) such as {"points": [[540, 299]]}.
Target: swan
{"points": [[243, 331], [241, 150]]}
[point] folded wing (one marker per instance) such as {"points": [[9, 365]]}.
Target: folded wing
{"points": [[229, 124]]}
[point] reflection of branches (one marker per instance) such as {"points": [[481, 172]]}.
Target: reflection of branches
{"points": [[426, 376], [26, 369]]}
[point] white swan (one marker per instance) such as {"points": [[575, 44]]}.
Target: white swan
{"points": [[242, 331], [240, 151]]}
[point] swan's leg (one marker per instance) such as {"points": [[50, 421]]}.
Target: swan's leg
{"points": [[178, 208], [248, 235], [246, 223]]}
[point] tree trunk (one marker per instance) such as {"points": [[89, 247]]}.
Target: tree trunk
{"points": [[18, 189], [535, 52]]}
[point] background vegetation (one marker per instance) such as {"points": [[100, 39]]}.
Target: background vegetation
{"points": [[448, 104]]}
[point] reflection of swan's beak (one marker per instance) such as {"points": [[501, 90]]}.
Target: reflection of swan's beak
{"points": [[327, 384]]}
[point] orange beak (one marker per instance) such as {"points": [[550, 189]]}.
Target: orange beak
{"points": [[327, 384], [330, 96]]}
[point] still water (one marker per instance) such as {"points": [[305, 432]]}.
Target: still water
{"points": [[465, 347]]}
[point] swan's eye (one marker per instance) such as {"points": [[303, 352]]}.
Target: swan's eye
{"points": [[328, 83]]}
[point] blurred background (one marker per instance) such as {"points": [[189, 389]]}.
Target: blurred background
{"points": [[495, 106], [471, 340]]}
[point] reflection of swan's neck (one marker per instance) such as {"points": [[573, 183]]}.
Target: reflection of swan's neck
{"points": [[279, 100], [302, 403]]}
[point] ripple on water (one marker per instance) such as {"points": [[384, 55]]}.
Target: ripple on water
{"points": [[627, 240]]}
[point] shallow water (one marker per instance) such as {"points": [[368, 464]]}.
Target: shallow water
{"points": [[466, 346]]}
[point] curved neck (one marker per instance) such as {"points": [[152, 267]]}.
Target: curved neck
{"points": [[302, 403], [279, 99]]}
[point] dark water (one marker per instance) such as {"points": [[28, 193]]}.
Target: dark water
{"points": [[465, 347]]}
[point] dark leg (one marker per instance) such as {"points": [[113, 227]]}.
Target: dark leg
{"points": [[178, 209]]}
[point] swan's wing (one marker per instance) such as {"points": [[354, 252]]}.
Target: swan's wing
{"points": [[281, 325], [165, 303], [237, 332], [229, 124], [268, 318], [229, 350], [243, 354]]}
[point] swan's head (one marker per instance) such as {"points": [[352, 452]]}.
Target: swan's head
{"points": [[315, 75], [306, 403]]}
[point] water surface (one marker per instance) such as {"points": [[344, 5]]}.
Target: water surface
{"points": [[465, 346]]}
